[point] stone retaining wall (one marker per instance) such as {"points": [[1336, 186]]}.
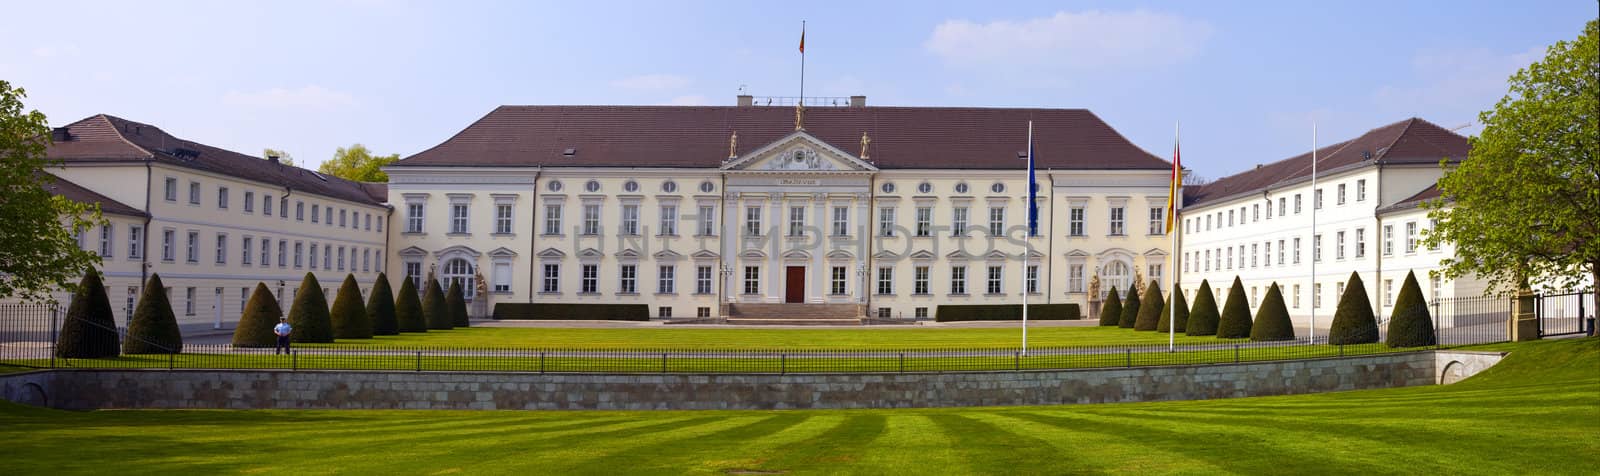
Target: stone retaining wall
{"points": [[250, 389]]}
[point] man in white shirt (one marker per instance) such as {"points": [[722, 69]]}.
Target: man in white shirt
{"points": [[282, 330]]}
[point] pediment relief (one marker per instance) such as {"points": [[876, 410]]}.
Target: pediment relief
{"points": [[412, 251], [590, 253], [840, 255], [458, 250], [502, 252], [552, 253], [1155, 252], [798, 152], [705, 254], [923, 255], [666, 255]]}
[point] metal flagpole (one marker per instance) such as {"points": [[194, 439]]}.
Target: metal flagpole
{"points": [[1316, 241], [1174, 228], [802, 64], [1027, 239]]}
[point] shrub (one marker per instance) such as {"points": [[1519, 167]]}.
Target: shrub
{"points": [[1007, 312], [1170, 322], [153, 329], [1203, 317], [380, 308], [1111, 311], [1411, 325], [1272, 320], [408, 309], [457, 303], [90, 329], [308, 315], [571, 312], [260, 314], [1353, 321], [1150, 309], [1235, 321], [349, 313], [1130, 309], [434, 310]]}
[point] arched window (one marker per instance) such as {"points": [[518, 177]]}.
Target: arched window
{"points": [[458, 270], [1115, 274]]}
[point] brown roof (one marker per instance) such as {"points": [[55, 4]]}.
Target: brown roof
{"points": [[71, 191], [697, 136], [104, 138], [1412, 141]]}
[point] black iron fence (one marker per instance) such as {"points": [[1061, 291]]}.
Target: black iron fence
{"points": [[1565, 314]]}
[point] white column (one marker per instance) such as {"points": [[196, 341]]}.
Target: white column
{"points": [[819, 269], [776, 225]]}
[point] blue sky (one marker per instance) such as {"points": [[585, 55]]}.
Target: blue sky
{"points": [[1245, 78]]}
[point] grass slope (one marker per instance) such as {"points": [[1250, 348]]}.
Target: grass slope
{"points": [[730, 339], [1535, 413]]}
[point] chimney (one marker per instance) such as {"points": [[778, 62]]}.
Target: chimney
{"points": [[746, 100], [858, 101], [273, 159]]}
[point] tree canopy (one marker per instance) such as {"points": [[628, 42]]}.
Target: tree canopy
{"points": [[358, 163], [283, 157], [39, 250]]}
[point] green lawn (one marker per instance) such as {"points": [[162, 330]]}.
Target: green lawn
{"points": [[1536, 413]]}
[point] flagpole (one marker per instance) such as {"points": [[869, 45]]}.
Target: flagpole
{"points": [[802, 63], [1316, 241], [1174, 228], [1027, 239]]}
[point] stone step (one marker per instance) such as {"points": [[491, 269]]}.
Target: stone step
{"points": [[793, 311], [792, 322]]}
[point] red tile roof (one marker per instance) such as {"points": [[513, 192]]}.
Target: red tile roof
{"points": [[1412, 141], [697, 136], [104, 138], [77, 193]]}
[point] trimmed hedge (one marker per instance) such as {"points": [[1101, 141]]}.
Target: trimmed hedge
{"points": [[1411, 325], [1203, 317], [308, 315], [349, 313], [1130, 308], [1168, 320], [1272, 321], [1150, 309], [380, 308], [571, 312], [260, 314], [1235, 321], [434, 310], [1111, 311], [90, 328], [153, 329], [1353, 321], [408, 309], [1007, 312], [457, 303]]}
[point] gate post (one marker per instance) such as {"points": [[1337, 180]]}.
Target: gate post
{"points": [[1524, 320]]}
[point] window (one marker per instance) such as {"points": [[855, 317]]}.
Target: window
{"points": [[1388, 240], [1297, 250], [244, 298], [1075, 278], [1338, 289], [997, 187], [283, 253], [752, 221], [841, 221], [961, 187], [502, 219], [1230, 217], [299, 211], [707, 187], [708, 220], [1255, 296], [1361, 190], [249, 201], [266, 251], [551, 279], [797, 221], [887, 187], [885, 313], [414, 215], [591, 186], [1361, 242], [667, 279], [246, 248], [343, 215], [1207, 260], [1032, 278], [1316, 248], [669, 220], [341, 259], [1316, 295], [664, 311], [702, 311], [591, 218], [106, 235], [314, 255], [172, 189], [368, 226], [414, 273], [191, 250], [1411, 237], [994, 280], [669, 186], [1158, 220], [1282, 208], [1297, 204], [194, 194], [836, 281], [1280, 252], [1269, 209], [1338, 199], [1075, 219], [299, 248], [1433, 288], [919, 280], [752, 279], [958, 280], [702, 279], [1230, 257], [458, 272], [1267, 253], [266, 205], [1338, 245], [997, 221], [924, 187], [1255, 213], [552, 219], [188, 301], [222, 249], [380, 223], [222, 198], [924, 221], [458, 218], [1296, 297], [921, 313], [885, 280], [366, 261], [886, 221], [1208, 222], [1252, 256], [958, 221], [630, 219], [327, 256], [1116, 221], [316, 213], [630, 186], [1316, 199]]}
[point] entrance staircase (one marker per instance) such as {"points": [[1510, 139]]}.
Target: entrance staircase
{"points": [[794, 314]]}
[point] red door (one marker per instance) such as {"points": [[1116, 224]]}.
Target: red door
{"points": [[795, 285]]}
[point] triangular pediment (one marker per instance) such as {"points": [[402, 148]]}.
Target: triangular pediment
{"points": [[412, 251], [796, 255], [959, 255], [502, 252], [705, 254], [1077, 254], [886, 255], [552, 253], [1155, 252], [666, 255], [628, 254], [798, 152], [922, 255], [590, 253], [840, 255], [458, 250]]}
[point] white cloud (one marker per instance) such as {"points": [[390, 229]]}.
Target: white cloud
{"points": [[306, 97], [52, 51], [692, 100], [1455, 83], [652, 82], [1071, 40]]}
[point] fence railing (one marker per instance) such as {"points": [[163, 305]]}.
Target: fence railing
{"points": [[1565, 314]]}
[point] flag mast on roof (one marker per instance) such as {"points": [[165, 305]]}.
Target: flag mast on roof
{"points": [[800, 105]]}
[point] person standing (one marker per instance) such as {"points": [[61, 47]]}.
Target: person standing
{"points": [[282, 330]]}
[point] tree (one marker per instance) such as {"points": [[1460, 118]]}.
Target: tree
{"points": [[1150, 309], [1235, 320], [1525, 204], [1203, 318], [1272, 320], [39, 251], [380, 308], [457, 303], [1353, 322], [1130, 308], [283, 157], [1111, 311], [1411, 325], [260, 314], [349, 313], [153, 328], [90, 329], [308, 316], [434, 310], [408, 309], [358, 164], [1179, 322]]}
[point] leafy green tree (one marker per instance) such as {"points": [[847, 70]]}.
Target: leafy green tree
{"points": [[408, 309], [1272, 320], [1150, 309], [358, 164], [308, 316], [1181, 319], [1235, 321], [261, 313], [283, 157], [1353, 322], [1111, 311], [434, 310], [1411, 325], [90, 328], [39, 251], [457, 303], [1130, 309], [349, 313], [380, 308], [153, 328], [1525, 204], [1203, 318]]}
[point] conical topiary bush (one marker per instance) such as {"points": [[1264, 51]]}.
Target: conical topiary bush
{"points": [[153, 329], [308, 316], [90, 329], [380, 308], [1203, 316], [1411, 325], [1235, 320], [1353, 321], [457, 303], [434, 310], [260, 314], [1272, 320], [1181, 320], [1130, 308], [1111, 311], [408, 309], [1150, 309], [349, 313]]}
